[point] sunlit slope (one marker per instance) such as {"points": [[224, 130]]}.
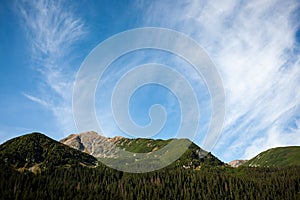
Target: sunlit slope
{"points": [[278, 157]]}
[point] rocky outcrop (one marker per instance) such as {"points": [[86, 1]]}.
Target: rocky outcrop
{"points": [[93, 144], [237, 163]]}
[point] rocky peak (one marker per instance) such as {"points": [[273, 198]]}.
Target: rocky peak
{"points": [[92, 143], [237, 163]]}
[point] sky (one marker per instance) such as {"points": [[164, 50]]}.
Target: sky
{"points": [[254, 46]]}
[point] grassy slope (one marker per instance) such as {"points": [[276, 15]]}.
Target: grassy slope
{"points": [[279, 157], [190, 156]]}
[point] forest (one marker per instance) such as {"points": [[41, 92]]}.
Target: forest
{"points": [[101, 182]]}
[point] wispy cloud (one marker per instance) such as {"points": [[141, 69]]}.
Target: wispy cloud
{"points": [[52, 29], [37, 100], [252, 44]]}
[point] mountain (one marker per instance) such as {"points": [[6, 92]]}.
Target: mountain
{"points": [[91, 143], [237, 163], [103, 147], [35, 151], [276, 157]]}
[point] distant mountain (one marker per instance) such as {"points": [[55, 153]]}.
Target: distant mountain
{"points": [[36, 151], [101, 147], [277, 157], [237, 163]]}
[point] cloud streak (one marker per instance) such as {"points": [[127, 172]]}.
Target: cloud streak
{"points": [[52, 29], [252, 44], [37, 100]]}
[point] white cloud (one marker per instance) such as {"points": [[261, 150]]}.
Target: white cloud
{"points": [[249, 42], [52, 29], [37, 100]]}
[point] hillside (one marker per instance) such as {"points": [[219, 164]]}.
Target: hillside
{"points": [[102, 148], [277, 157], [35, 151]]}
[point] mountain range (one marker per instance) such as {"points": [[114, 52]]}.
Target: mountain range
{"points": [[70, 169], [102, 147], [35, 151]]}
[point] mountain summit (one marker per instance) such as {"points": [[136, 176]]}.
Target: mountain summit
{"points": [[91, 143]]}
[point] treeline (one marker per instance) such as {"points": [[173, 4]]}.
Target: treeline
{"points": [[78, 182]]}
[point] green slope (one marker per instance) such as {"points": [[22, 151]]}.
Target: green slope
{"points": [[39, 151], [278, 157], [193, 156]]}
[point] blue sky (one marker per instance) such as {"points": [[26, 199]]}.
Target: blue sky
{"points": [[254, 45]]}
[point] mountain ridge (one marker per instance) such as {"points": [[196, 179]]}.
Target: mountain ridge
{"points": [[34, 151], [104, 147]]}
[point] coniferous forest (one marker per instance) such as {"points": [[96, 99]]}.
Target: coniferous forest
{"points": [[79, 182]]}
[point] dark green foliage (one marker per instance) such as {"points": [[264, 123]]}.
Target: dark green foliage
{"points": [[78, 182], [36, 148], [277, 157]]}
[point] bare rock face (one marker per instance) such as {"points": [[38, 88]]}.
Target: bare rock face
{"points": [[93, 144], [73, 141], [236, 163]]}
